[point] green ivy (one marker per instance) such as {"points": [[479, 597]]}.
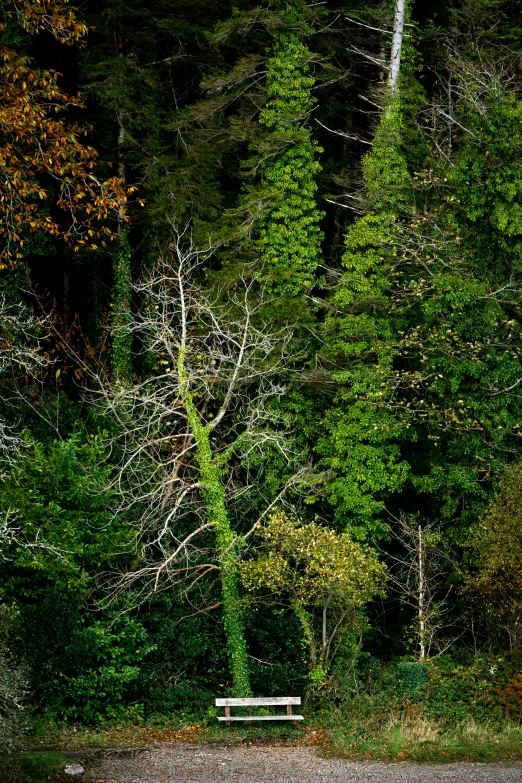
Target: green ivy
{"points": [[121, 312], [289, 233]]}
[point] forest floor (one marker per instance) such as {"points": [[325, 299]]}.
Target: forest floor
{"points": [[210, 763]]}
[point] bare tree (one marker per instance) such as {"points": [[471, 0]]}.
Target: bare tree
{"points": [[418, 573], [470, 85], [190, 426]]}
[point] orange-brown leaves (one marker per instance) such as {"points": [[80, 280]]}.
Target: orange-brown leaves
{"points": [[511, 697], [38, 144]]}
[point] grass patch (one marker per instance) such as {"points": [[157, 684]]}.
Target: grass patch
{"points": [[421, 740], [408, 736], [33, 768]]}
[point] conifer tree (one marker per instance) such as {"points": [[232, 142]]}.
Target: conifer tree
{"points": [[125, 91]]}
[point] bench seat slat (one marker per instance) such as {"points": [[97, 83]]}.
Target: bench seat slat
{"points": [[263, 717], [264, 701]]}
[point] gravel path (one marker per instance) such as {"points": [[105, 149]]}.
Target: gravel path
{"points": [[184, 763]]}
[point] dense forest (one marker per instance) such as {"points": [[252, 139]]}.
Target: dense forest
{"points": [[260, 358]]}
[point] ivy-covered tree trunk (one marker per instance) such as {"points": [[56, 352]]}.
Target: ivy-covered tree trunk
{"points": [[228, 560], [121, 308], [215, 502], [364, 433], [122, 285], [233, 621]]}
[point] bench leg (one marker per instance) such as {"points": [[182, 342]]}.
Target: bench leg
{"points": [[227, 715], [289, 712]]}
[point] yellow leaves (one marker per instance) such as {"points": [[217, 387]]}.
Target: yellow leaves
{"points": [[309, 560]]}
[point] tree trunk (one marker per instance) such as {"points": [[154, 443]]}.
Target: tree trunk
{"points": [[421, 595], [215, 501], [395, 57]]}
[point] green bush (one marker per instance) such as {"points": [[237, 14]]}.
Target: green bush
{"points": [[464, 687], [82, 668]]}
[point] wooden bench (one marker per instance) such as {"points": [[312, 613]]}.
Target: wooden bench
{"points": [[271, 701]]}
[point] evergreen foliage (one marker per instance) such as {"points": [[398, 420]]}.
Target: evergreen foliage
{"points": [[363, 447]]}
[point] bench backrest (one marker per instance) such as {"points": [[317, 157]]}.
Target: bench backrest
{"points": [[268, 701]]}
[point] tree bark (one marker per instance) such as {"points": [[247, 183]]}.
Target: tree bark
{"points": [[395, 57]]}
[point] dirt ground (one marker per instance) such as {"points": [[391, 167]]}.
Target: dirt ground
{"points": [[198, 763]]}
